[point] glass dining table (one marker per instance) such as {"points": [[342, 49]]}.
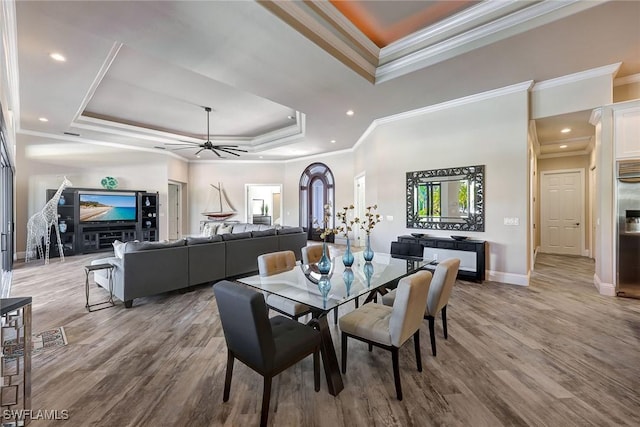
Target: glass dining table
{"points": [[323, 293]]}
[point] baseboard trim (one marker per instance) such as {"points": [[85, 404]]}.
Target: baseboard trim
{"points": [[510, 278], [604, 288]]}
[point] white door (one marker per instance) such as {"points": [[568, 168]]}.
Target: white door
{"points": [[174, 211], [562, 212]]}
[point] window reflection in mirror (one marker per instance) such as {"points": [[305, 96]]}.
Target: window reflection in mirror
{"points": [[450, 199]]}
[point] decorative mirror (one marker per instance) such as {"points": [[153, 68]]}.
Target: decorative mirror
{"points": [[446, 199]]}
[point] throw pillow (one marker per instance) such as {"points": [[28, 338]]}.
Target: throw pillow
{"points": [[118, 248], [224, 229]]}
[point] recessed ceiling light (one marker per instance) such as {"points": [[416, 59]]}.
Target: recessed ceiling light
{"points": [[564, 146], [350, 113], [261, 157], [198, 156], [566, 130], [43, 119], [333, 141], [57, 57], [290, 117]]}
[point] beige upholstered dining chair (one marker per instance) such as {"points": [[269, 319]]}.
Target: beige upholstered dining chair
{"points": [[312, 254], [443, 279], [279, 262], [390, 327]]}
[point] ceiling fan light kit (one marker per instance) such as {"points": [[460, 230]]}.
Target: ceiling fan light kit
{"points": [[208, 145]]}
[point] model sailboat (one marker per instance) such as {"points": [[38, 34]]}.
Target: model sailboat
{"points": [[222, 208]]}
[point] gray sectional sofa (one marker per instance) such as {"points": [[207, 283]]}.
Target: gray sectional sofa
{"points": [[149, 268]]}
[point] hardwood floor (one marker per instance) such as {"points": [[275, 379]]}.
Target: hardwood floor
{"points": [[555, 353]]}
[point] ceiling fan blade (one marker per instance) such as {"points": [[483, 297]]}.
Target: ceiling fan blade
{"points": [[231, 147], [198, 152], [214, 150], [224, 150], [189, 144], [182, 148]]}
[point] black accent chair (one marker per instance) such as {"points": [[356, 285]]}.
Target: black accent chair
{"points": [[268, 346]]}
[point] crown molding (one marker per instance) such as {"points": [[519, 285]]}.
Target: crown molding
{"points": [[342, 24], [475, 15], [482, 96], [102, 72], [67, 138], [626, 80], [273, 139], [323, 33], [607, 70], [568, 154], [515, 23], [567, 141]]}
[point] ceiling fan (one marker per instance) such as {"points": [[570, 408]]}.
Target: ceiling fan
{"points": [[208, 145]]}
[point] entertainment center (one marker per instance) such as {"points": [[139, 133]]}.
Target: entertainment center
{"points": [[90, 220]]}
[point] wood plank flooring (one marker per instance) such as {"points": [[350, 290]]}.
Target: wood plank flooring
{"points": [[555, 353]]}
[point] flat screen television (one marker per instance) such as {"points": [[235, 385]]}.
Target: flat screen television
{"points": [[108, 207]]}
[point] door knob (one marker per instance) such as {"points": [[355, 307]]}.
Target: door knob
{"points": [[577, 224]]}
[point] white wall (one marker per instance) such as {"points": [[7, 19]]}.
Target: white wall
{"points": [[34, 176], [492, 132], [233, 175]]}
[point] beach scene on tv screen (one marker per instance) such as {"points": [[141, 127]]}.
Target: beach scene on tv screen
{"points": [[100, 207]]}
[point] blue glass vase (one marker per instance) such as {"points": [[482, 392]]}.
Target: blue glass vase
{"points": [[324, 286], [368, 253], [368, 272], [347, 258], [348, 277], [324, 265]]}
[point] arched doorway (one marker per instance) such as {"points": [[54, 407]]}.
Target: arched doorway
{"points": [[316, 190]]}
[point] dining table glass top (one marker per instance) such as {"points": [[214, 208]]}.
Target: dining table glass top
{"points": [[305, 285]]}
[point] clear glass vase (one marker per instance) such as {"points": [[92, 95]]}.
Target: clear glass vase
{"points": [[324, 265], [324, 286], [347, 258], [348, 277], [368, 253]]}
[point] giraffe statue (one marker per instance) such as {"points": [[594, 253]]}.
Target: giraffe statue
{"points": [[39, 225]]}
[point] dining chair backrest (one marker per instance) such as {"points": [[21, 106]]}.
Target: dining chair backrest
{"points": [[246, 326], [443, 279], [408, 307], [276, 262], [311, 254]]}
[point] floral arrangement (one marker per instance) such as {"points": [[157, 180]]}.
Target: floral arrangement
{"points": [[327, 231], [370, 220], [347, 224]]}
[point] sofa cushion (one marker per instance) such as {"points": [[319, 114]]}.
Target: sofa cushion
{"points": [[224, 229], [146, 246], [290, 230], [202, 240], [118, 248], [210, 228], [236, 236], [240, 227], [265, 227], [252, 227], [263, 233]]}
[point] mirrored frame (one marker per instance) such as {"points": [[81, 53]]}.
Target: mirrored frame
{"points": [[446, 199]]}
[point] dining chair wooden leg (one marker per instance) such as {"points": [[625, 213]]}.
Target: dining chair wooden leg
{"points": [[416, 343], [444, 321], [344, 353], [266, 397], [227, 379], [316, 369], [432, 333], [396, 372]]}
